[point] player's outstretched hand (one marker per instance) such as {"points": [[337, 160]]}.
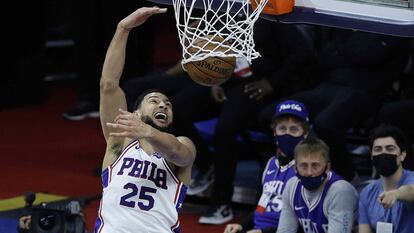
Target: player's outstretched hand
{"points": [[387, 199], [130, 125], [139, 16]]}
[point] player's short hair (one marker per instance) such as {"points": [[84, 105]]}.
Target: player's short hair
{"points": [[312, 146], [141, 97], [387, 130]]}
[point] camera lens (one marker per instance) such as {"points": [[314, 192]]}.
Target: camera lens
{"points": [[47, 221]]}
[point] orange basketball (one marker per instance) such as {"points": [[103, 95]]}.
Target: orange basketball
{"points": [[212, 70]]}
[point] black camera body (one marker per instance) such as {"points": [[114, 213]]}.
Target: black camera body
{"points": [[57, 218]]}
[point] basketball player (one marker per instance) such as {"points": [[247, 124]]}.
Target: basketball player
{"points": [[317, 199], [290, 125], [145, 169]]}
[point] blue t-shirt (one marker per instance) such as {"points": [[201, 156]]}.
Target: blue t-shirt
{"points": [[401, 215]]}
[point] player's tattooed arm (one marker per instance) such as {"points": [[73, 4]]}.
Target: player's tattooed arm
{"points": [[117, 150], [113, 151]]}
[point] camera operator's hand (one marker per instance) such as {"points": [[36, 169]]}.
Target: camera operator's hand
{"points": [[24, 222]]}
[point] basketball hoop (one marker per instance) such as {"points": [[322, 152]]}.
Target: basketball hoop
{"points": [[232, 20]]}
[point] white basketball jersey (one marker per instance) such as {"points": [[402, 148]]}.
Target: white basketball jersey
{"points": [[141, 194]]}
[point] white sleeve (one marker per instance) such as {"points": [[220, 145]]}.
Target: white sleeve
{"points": [[288, 222], [265, 169], [340, 206]]}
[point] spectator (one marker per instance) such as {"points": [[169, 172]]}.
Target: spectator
{"points": [[388, 203], [357, 69], [236, 103], [290, 125], [317, 199]]}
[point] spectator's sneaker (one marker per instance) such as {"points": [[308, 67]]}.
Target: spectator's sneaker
{"points": [[81, 111], [217, 215], [201, 182]]}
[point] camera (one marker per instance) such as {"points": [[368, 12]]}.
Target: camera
{"points": [[54, 217], [57, 218]]}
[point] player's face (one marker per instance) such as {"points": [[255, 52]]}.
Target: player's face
{"points": [[156, 110], [389, 146], [311, 165], [290, 126]]}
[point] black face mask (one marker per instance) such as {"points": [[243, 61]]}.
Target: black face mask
{"points": [[312, 183], [385, 164]]}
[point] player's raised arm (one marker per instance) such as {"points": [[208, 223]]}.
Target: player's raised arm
{"points": [[112, 96]]}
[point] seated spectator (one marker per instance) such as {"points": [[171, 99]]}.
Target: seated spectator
{"points": [[290, 125], [357, 70], [388, 203], [317, 199]]}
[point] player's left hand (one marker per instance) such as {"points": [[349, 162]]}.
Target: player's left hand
{"points": [[129, 125], [258, 89], [387, 199]]}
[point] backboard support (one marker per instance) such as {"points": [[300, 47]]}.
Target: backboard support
{"points": [[391, 17]]}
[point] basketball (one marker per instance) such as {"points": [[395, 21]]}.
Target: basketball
{"points": [[212, 70]]}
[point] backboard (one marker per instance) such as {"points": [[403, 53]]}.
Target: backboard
{"points": [[392, 17]]}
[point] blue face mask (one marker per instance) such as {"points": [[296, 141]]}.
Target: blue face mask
{"points": [[312, 183], [286, 144]]}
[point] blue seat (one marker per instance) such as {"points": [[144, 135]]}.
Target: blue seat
{"points": [[207, 128]]}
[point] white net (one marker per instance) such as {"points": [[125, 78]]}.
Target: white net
{"points": [[222, 28]]}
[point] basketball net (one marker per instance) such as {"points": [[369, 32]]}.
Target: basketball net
{"points": [[232, 20]]}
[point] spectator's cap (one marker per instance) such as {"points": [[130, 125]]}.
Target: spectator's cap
{"points": [[291, 107]]}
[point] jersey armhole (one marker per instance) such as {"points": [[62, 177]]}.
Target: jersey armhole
{"points": [[171, 171]]}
